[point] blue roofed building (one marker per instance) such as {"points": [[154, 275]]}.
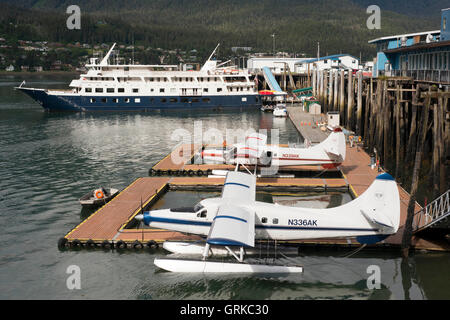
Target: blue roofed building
{"points": [[337, 61], [422, 56]]}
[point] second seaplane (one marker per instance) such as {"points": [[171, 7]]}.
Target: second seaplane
{"points": [[235, 220], [254, 151]]}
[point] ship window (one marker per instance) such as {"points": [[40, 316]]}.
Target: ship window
{"points": [[275, 220], [151, 90], [205, 90], [98, 89], [92, 100], [104, 100], [88, 90], [173, 100], [110, 90], [127, 100], [185, 100], [137, 100], [121, 90], [195, 100], [135, 90], [163, 100], [127, 68], [206, 100], [264, 220], [219, 89], [115, 100], [161, 90]]}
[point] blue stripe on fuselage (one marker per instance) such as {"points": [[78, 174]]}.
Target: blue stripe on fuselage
{"points": [[259, 226]]}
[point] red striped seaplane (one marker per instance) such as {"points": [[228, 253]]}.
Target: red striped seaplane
{"points": [[329, 154]]}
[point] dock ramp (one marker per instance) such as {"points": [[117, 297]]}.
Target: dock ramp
{"points": [[434, 215], [270, 79]]}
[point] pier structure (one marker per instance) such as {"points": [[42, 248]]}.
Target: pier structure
{"points": [[113, 225]]}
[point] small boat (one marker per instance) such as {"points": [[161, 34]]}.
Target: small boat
{"points": [[280, 111], [98, 197], [267, 108]]}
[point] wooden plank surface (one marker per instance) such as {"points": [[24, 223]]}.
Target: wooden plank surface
{"points": [[105, 222]]}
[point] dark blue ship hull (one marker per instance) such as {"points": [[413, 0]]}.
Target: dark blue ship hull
{"points": [[78, 103]]}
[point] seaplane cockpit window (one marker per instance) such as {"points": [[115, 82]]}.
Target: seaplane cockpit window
{"points": [[202, 213], [198, 207]]}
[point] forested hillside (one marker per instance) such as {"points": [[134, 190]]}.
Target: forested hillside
{"points": [[339, 25]]}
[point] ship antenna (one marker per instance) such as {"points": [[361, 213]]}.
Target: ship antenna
{"points": [[213, 52]]}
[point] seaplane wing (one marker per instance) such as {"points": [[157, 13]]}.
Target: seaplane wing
{"points": [[239, 188], [233, 226]]}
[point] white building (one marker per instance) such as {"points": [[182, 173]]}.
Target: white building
{"points": [[276, 65], [338, 61]]}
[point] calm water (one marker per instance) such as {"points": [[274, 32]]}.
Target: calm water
{"points": [[47, 161]]}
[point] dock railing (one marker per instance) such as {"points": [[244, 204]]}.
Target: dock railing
{"points": [[432, 213], [441, 76]]}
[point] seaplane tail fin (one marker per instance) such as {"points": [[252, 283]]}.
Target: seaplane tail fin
{"points": [[335, 144], [380, 204]]}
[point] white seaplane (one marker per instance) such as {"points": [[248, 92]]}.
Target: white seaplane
{"points": [[329, 154], [236, 220]]}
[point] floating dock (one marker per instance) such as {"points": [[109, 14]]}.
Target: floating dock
{"points": [[107, 227]]}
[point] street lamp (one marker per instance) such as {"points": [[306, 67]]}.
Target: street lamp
{"points": [[273, 36]]}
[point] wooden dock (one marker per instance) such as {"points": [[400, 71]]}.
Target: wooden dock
{"points": [[306, 124], [107, 227]]}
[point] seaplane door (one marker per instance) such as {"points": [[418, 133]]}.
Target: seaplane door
{"points": [[266, 159]]}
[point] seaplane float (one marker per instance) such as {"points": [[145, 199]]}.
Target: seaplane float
{"points": [[329, 154], [235, 220]]}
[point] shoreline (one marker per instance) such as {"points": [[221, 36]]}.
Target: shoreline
{"points": [[34, 73]]}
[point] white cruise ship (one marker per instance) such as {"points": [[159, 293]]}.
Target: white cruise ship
{"points": [[115, 87]]}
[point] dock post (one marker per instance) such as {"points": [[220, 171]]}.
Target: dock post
{"points": [[335, 99], [350, 99], [321, 87], [325, 92], [359, 106], [423, 128], [342, 97], [331, 91], [314, 75]]}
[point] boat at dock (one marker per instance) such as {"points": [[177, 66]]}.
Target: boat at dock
{"points": [[98, 197], [280, 111], [116, 87]]}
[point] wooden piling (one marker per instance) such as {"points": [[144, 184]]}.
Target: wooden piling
{"points": [[335, 98], [423, 126], [359, 106], [325, 92], [342, 97], [331, 91], [350, 99]]}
